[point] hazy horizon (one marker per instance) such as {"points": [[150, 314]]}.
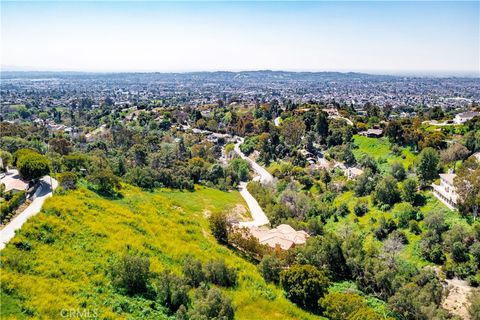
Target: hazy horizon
{"points": [[412, 73], [397, 38]]}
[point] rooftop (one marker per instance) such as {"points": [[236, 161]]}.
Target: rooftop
{"points": [[283, 236], [448, 177], [12, 181]]}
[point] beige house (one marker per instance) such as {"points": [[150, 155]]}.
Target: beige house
{"points": [[14, 183], [282, 237], [372, 133], [476, 155], [445, 191], [353, 172]]}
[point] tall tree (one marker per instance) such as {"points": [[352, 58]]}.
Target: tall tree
{"points": [[394, 132], [292, 131], [321, 124], [467, 184], [427, 165], [31, 164]]}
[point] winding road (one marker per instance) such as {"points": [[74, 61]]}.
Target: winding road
{"points": [[262, 175], [261, 172], [44, 192], [349, 122]]}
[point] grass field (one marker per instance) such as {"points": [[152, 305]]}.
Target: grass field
{"points": [[380, 150], [61, 258]]}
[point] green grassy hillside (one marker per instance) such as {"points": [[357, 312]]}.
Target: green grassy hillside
{"points": [[380, 150], [61, 258]]}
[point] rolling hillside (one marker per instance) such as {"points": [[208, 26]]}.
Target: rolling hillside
{"points": [[62, 257]]}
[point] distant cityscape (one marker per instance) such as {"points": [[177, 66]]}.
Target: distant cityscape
{"points": [[402, 94]]}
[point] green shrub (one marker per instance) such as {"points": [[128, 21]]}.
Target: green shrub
{"points": [[68, 180], [343, 210], [193, 271], [270, 268], [459, 252], [341, 306], [104, 182], [414, 227], [219, 226], [131, 274], [171, 291], [217, 272], [304, 285], [361, 208], [7, 208], [212, 304], [31, 164], [404, 212]]}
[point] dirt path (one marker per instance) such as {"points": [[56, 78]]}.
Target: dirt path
{"points": [[456, 301]]}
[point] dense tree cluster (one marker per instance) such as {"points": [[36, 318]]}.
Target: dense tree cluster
{"points": [[132, 275]]}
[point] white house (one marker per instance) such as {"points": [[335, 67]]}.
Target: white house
{"points": [[445, 191], [465, 116]]}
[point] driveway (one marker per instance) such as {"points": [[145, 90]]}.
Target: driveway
{"points": [[259, 217], [277, 121], [262, 175], [265, 176], [45, 191]]}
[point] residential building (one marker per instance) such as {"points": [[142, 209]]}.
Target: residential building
{"points": [[372, 133], [476, 155], [353, 172], [445, 191], [465, 116], [283, 237], [13, 182]]}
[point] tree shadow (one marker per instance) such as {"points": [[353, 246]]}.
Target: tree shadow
{"points": [[420, 200], [110, 195]]}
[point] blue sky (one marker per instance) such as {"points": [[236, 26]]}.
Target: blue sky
{"points": [[378, 37]]}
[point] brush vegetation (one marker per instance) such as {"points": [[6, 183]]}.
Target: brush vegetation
{"points": [[64, 257]]}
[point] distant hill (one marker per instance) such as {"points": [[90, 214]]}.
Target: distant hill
{"points": [[212, 76]]}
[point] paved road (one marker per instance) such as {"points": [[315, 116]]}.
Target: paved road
{"points": [[346, 119], [440, 124], [259, 217], [277, 121], [262, 175], [265, 176], [45, 191]]}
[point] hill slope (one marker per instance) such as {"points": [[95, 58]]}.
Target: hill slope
{"points": [[61, 257]]}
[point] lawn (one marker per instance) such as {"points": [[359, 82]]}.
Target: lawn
{"points": [[61, 258], [380, 150]]}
